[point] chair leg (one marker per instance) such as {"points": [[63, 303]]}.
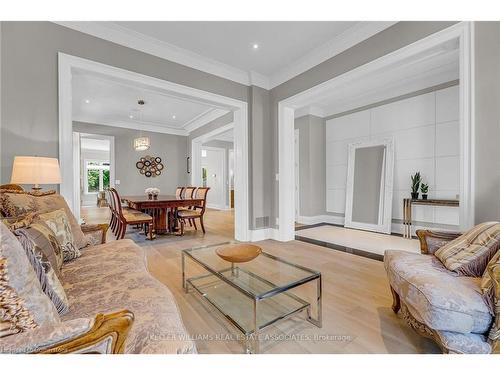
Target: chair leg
{"points": [[202, 226], [396, 301], [182, 227], [194, 223], [150, 226]]}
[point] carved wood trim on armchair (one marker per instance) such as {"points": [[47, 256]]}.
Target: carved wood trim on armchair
{"points": [[426, 237], [89, 228], [114, 326]]}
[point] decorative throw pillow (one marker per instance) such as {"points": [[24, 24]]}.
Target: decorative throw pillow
{"points": [[58, 222], [14, 316], [44, 270], [488, 285], [469, 254], [14, 223], [23, 280], [19, 203]]}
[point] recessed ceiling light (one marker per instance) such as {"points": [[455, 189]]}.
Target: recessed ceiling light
{"points": [[131, 116], [87, 101], [255, 46], [173, 117]]}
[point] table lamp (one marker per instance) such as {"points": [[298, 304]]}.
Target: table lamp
{"points": [[35, 170]]}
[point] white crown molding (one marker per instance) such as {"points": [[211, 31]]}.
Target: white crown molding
{"points": [[138, 41], [204, 119], [309, 110], [134, 125], [117, 34], [350, 37]]}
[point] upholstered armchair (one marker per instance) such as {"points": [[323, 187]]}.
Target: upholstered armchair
{"points": [[104, 334], [440, 305]]}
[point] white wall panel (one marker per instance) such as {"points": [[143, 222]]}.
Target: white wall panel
{"points": [[447, 173], [350, 126], [414, 143], [447, 104], [425, 130], [448, 139], [335, 200], [405, 114]]}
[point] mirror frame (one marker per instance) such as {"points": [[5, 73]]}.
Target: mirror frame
{"points": [[385, 226]]}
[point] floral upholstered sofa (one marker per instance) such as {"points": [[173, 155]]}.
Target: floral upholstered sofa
{"points": [[115, 305], [448, 308]]}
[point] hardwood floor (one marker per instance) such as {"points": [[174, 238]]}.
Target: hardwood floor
{"points": [[357, 315]]}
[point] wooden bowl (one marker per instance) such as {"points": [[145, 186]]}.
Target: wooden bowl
{"points": [[239, 253]]}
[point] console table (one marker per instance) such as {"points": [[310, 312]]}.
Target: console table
{"points": [[408, 202]]}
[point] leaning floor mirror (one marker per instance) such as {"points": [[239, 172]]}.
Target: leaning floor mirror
{"points": [[370, 172]]}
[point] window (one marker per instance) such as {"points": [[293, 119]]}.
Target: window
{"points": [[96, 176]]}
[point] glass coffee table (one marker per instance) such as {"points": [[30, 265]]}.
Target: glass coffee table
{"points": [[253, 295]]}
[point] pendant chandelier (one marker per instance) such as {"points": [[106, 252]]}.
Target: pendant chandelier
{"points": [[141, 143]]}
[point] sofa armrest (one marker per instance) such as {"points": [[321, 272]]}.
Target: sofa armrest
{"points": [[104, 334], [97, 232], [494, 335], [431, 240]]}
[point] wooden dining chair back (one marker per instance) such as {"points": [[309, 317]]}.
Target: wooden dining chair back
{"points": [[127, 216], [201, 193], [179, 191], [196, 211], [113, 223], [189, 192]]}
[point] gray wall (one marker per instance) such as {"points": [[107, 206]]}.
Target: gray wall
{"points": [[389, 40], [171, 148], [487, 112], [312, 165]]}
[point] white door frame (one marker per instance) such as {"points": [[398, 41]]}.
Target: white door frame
{"points": [[66, 66], [224, 175], [464, 32], [77, 168], [297, 176]]}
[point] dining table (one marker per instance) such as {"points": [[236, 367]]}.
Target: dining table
{"points": [[162, 208]]}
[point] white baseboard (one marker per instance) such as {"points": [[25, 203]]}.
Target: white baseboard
{"points": [[310, 220], [263, 234]]}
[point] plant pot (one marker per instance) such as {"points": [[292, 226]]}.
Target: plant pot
{"points": [[414, 195], [424, 197]]}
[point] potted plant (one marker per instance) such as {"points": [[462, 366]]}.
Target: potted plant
{"points": [[415, 185], [424, 189]]}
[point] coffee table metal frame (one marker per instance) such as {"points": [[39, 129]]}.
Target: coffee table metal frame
{"points": [[252, 337]]}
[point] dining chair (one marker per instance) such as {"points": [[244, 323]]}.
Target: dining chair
{"points": [[195, 212], [113, 220], [179, 191], [188, 193], [127, 216]]}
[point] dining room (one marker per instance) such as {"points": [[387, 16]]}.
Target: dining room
{"points": [[149, 190]]}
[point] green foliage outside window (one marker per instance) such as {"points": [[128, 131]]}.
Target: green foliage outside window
{"points": [[93, 180]]}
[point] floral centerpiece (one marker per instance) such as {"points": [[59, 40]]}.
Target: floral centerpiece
{"points": [[152, 193]]}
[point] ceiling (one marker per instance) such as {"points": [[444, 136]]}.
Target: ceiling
{"points": [[226, 49], [427, 69], [232, 42], [227, 136], [104, 100]]}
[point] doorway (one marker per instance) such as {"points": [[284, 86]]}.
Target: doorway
{"points": [[94, 166], [213, 175], [69, 65]]}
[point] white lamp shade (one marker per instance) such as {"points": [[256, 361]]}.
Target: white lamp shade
{"points": [[35, 170]]}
